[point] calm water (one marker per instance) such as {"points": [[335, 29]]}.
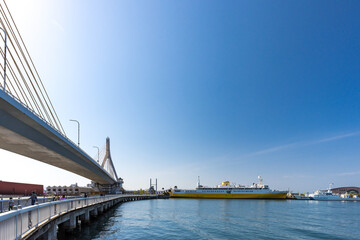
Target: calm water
{"points": [[225, 219]]}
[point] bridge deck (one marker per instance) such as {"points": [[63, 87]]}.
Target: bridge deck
{"points": [[24, 133]]}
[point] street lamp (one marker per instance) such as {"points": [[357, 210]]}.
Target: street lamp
{"points": [[4, 60], [78, 130], [98, 151]]}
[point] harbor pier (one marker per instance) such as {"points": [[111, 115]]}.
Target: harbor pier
{"points": [[42, 221]]}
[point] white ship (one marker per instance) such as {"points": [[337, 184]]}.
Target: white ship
{"points": [[325, 196]]}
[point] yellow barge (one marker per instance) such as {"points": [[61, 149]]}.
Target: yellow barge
{"points": [[228, 191]]}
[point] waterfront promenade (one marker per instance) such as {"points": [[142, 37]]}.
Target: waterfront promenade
{"points": [[43, 220]]}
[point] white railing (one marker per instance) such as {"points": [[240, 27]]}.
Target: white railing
{"points": [[21, 202], [14, 224], [36, 114]]}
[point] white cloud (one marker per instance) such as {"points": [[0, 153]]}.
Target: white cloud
{"points": [[273, 149], [330, 139], [348, 173], [302, 144]]}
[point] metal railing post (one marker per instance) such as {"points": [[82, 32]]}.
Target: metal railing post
{"points": [[38, 217], [16, 226], [21, 222]]}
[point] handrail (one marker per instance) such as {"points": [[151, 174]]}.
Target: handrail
{"points": [[10, 214], [14, 224], [35, 113], [24, 202]]}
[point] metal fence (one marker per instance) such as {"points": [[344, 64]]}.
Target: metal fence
{"points": [[14, 224], [25, 201]]}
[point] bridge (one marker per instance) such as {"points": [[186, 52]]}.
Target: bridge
{"points": [[29, 124]]}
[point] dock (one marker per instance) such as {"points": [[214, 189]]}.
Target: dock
{"points": [[43, 220]]}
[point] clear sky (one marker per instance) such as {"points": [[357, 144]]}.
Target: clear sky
{"points": [[221, 90]]}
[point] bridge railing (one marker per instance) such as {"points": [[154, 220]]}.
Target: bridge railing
{"points": [[21, 202], [37, 115], [15, 224], [46, 122]]}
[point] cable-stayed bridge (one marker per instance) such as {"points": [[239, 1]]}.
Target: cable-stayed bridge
{"points": [[29, 124]]}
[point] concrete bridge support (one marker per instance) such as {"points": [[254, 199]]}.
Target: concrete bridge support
{"points": [[94, 212], [85, 218], [101, 209], [52, 232], [71, 223]]}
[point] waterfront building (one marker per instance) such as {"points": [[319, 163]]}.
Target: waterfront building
{"points": [[73, 189], [343, 190], [14, 188]]}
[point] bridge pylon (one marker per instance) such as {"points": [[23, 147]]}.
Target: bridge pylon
{"points": [[108, 165]]}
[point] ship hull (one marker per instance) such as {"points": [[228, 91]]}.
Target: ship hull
{"points": [[276, 195]]}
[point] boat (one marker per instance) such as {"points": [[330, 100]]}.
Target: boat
{"points": [[228, 191], [325, 195], [301, 196]]}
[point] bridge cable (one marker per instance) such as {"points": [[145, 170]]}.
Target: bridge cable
{"points": [[21, 74], [22, 53], [48, 110], [18, 84], [57, 118]]}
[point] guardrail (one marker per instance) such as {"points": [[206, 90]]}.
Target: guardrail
{"points": [[21, 202], [36, 114], [14, 224]]}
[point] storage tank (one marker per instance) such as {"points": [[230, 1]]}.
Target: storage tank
{"points": [[12, 188]]}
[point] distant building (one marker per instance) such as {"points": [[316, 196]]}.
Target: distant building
{"points": [[13, 188], [73, 189], [342, 190]]}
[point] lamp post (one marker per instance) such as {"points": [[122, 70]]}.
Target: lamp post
{"points": [[78, 130], [98, 152], [4, 60]]}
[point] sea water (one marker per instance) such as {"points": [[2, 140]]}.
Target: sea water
{"points": [[224, 219]]}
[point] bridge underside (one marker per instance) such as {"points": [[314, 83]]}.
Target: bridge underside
{"points": [[24, 133]]}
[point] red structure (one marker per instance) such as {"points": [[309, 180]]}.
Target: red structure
{"points": [[341, 190], [12, 188]]}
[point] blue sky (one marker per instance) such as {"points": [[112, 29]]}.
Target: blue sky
{"points": [[224, 91]]}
